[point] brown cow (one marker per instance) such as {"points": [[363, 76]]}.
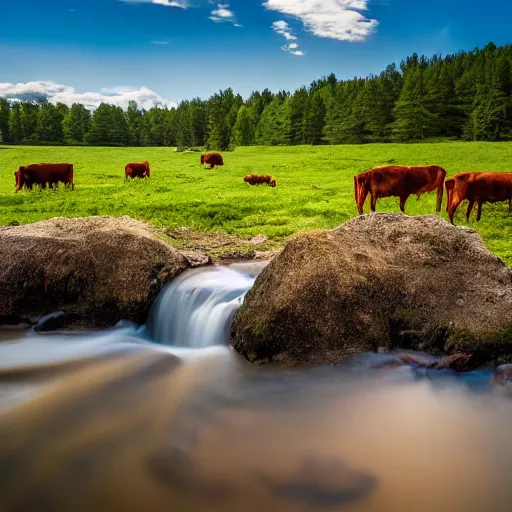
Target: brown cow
{"points": [[450, 186], [480, 187], [137, 170], [43, 175], [398, 180], [212, 159], [258, 179]]}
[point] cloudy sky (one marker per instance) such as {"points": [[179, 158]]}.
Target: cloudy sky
{"points": [[164, 51]]}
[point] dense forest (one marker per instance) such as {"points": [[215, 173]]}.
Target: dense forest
{"points": [[464, 96]]}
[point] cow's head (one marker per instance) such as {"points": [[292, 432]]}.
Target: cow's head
{"points": [[458, 194], [273, 183], [202, 159], [20, 175], [449, 185], [361, 189], [460, 186]]}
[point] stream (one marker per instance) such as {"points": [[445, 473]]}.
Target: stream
{"points": [[167, 417]]}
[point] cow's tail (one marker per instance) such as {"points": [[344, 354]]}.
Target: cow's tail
{"points": [[146, 163], [441, 175], [71, 176]]}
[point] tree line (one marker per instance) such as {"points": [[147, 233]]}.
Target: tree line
{"points": [[466, 96]]}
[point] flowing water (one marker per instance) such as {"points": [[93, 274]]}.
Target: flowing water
{"points": [[168, 418]]}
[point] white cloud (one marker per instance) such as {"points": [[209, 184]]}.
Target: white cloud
{"points": [[160, 42], [55, 93], [168, 3], [282, 28], [334, 19], [223, 14]]}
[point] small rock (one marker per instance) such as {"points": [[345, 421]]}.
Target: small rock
{"points": [[197, 259], [51, 322], [258, 240]]}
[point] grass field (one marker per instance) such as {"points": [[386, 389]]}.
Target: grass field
{"points": [[314, 187]]}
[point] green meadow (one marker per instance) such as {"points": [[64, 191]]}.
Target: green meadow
{"points": [[314, 187]]}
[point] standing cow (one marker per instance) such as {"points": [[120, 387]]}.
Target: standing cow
{"points": [[137, 170], [400, 181], [212, 159], [44, 175], [480, 187]]}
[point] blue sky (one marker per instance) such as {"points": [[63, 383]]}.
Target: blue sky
{"points": [[108, 47]]}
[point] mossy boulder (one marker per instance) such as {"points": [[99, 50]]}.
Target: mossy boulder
{"points": [[379, 280], [99, 270]]}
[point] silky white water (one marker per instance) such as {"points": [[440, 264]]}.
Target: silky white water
{"points": [[195, 311]]}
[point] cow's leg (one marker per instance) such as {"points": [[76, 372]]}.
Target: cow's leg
{"points": [[471, 204], [373, 200], [402, 203], [510, 206], [479, 213]]}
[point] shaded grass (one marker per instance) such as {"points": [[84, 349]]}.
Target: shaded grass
{"points": [[314, 187]]}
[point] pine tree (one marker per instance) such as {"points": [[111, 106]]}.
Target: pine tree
{"points": [[155, 126], [243, 131], [76, 124], [413, 120], [29, 116], [219, 130], [339, 128], [134, 121], [274, 126], [118, 133], [184, 132], [198, 122], [15, 124], [298, 105], [5, 113], [314, 120], [99, 132], [49, 123]]}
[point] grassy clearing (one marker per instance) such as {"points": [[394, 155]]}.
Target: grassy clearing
{"points": [[314, 187]]}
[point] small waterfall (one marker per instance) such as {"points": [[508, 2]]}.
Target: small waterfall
{"points": [[196, 310]]}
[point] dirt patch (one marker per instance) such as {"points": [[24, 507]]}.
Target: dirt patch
{"points": [[224, 248]]}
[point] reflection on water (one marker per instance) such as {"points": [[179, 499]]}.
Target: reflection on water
{"points": [[113, 421]]}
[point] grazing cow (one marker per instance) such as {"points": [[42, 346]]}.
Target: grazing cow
{"points": [[401, 181], [258, 179], [212, 159], [44, 175], [137, 170], [450, 186], [480, 187]]}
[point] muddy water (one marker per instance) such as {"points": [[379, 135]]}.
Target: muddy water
{"points": [[139, 420]]}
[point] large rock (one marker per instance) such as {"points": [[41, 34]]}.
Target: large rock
{"points": [[379, 280], [99, 270]]}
